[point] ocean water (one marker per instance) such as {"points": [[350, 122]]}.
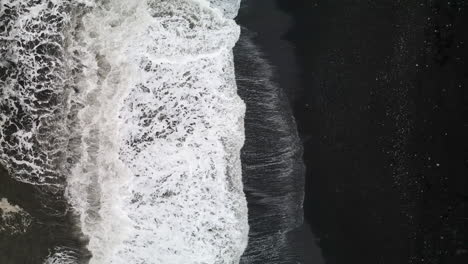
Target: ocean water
{"points": [[122, 120], [13, 219], [35, 88]]}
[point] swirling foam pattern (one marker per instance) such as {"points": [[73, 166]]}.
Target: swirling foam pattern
{"points": [[159, 178], [33, 89], [132, 105]]}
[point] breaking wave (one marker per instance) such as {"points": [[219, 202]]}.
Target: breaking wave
{"points": [[132, 108], [162, 131]]}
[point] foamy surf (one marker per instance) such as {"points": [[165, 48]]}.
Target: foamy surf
{"points": [[62, 255], [33, 90], [161, 127], [132, 106]]}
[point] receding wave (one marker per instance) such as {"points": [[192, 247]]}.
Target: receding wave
{"points": [[273, 170]]}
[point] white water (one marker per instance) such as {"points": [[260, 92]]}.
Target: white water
{"points": [[133, 106], [62, 255], [33, 90], [159, 179]]}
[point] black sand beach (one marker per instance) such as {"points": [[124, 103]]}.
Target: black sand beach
{"points": [[380, 97]]}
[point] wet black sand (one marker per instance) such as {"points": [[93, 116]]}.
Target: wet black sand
{"points": [[380, 96], [272, 163]]}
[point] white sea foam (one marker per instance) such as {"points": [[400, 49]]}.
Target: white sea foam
{"points": [[33, 90], [159, 179], [13, 219], [140, 98], [62, 255]]}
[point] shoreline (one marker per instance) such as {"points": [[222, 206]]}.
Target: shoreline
{"points": [[272, 67]]}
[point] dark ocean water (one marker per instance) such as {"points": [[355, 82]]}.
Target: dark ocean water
{"points": [[51, 230]]}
